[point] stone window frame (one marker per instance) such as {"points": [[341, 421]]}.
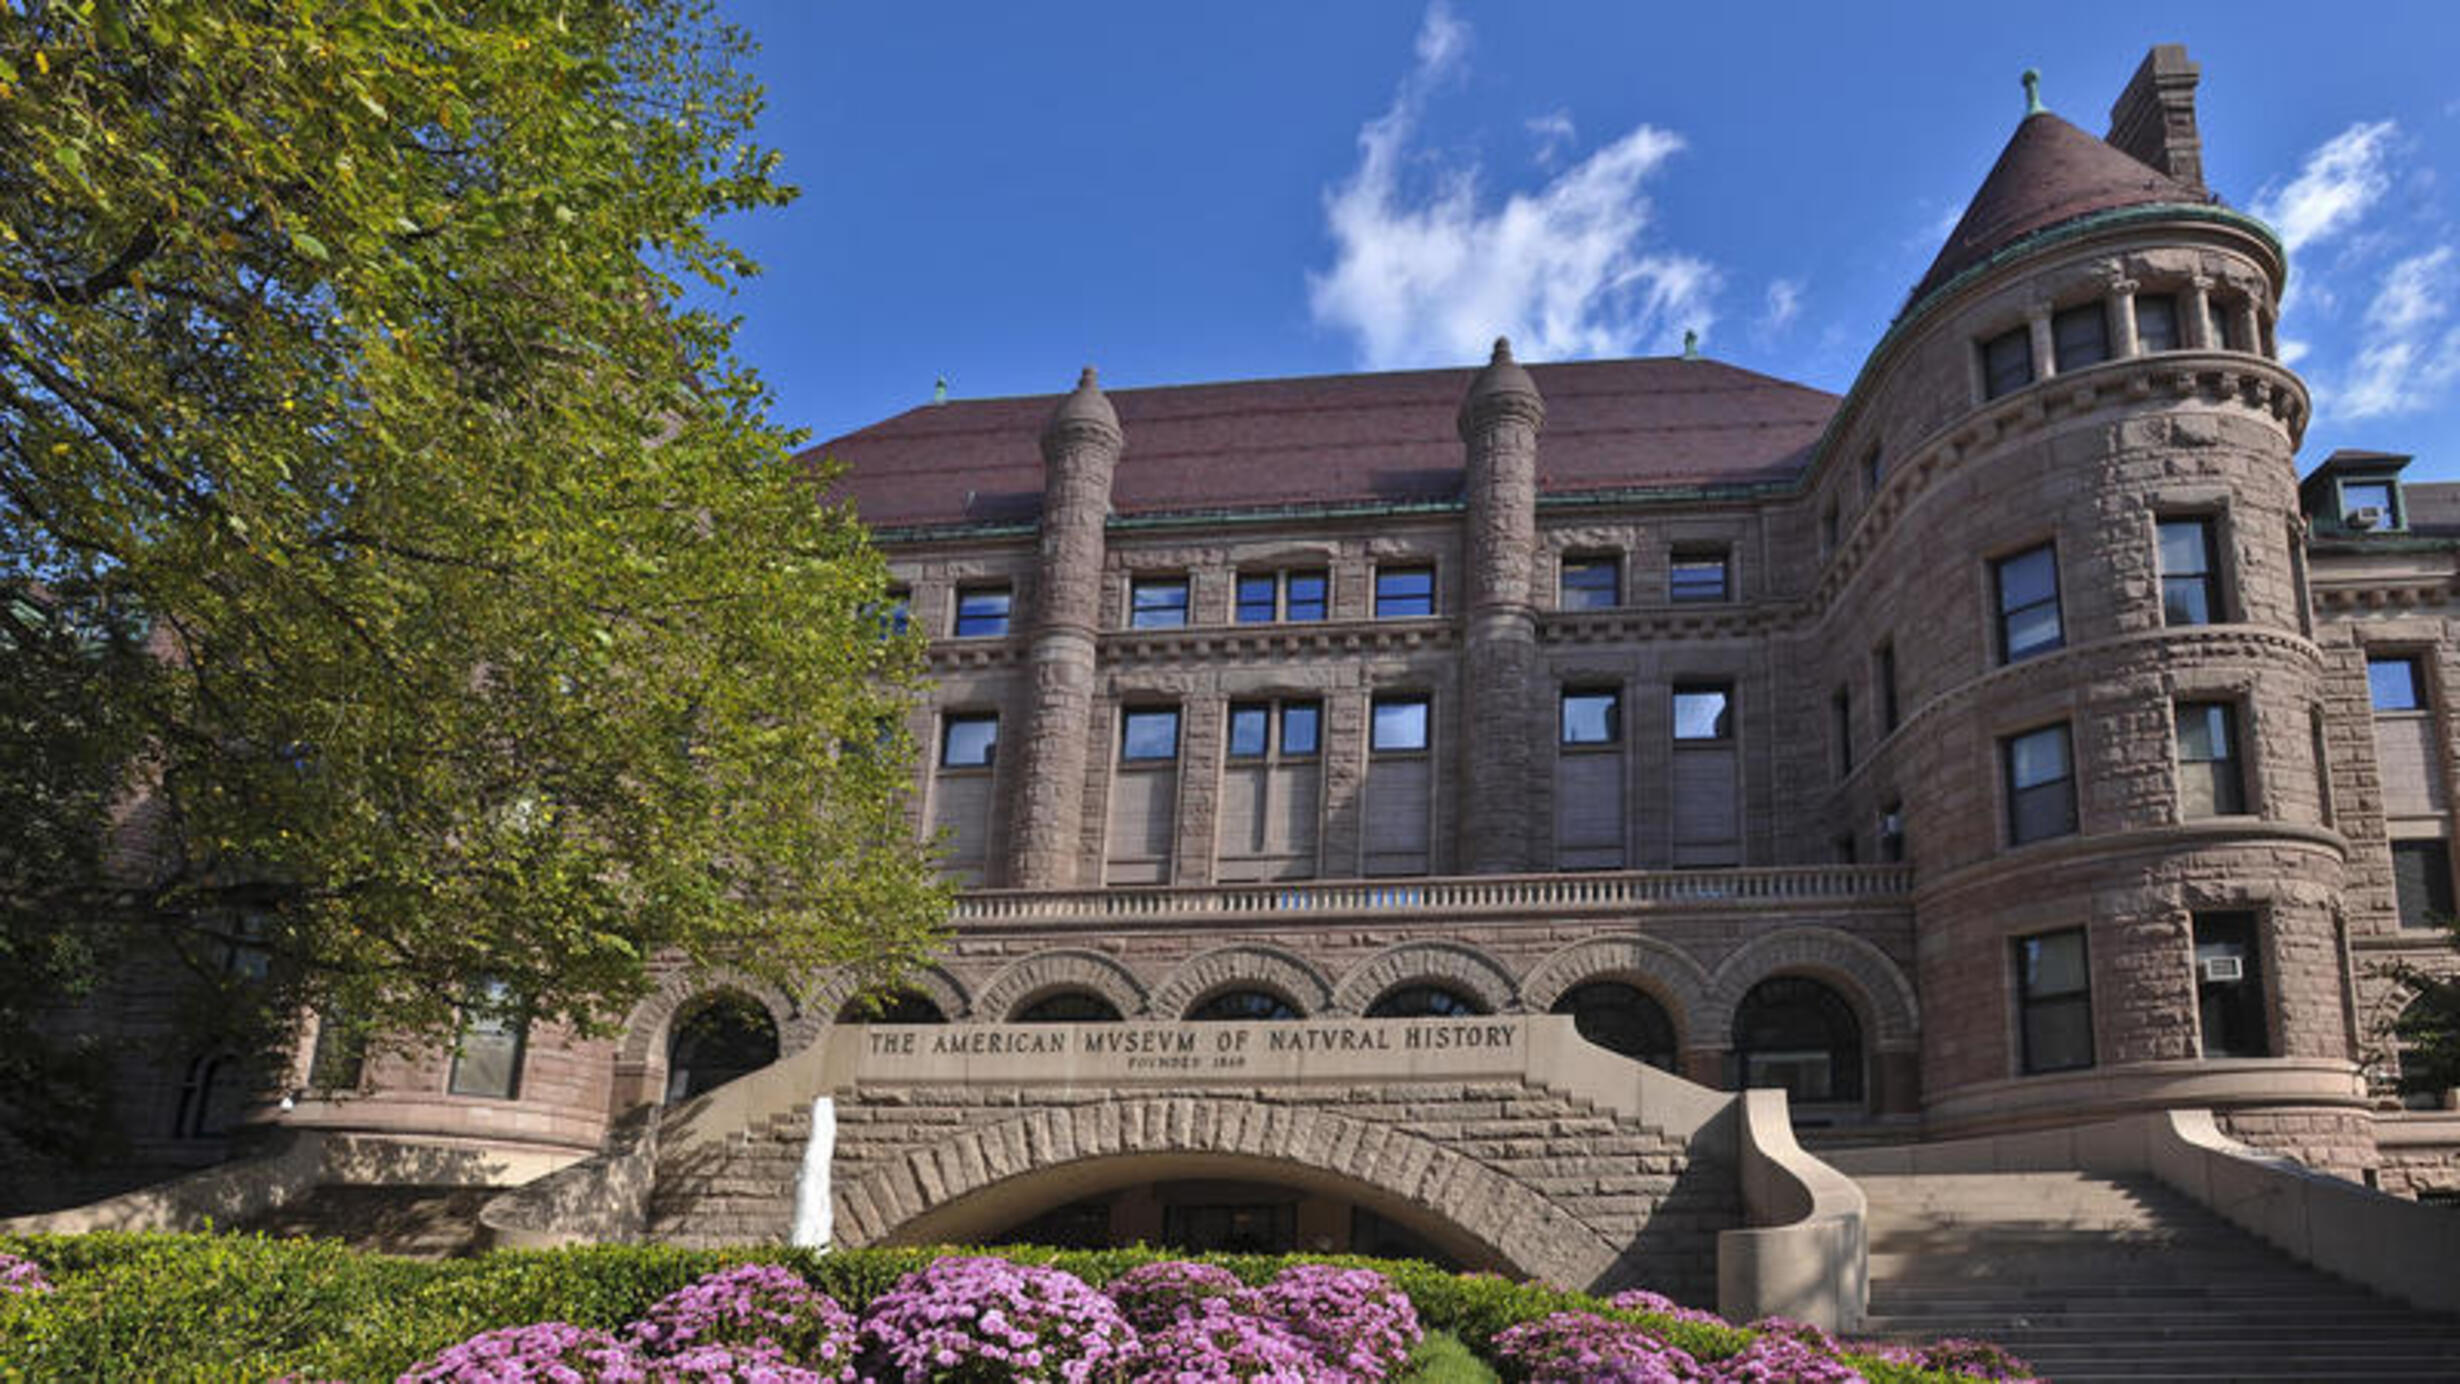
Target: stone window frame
{"points": [[2013, 793], [1407, 568], [1004, 618], [2001, 613], [2219, 592], [1160, 585], [1700, 555], [2025, 1002], [954, 717], [2240, 777], [1612, 741], [2260, 943], [1589, 561]]}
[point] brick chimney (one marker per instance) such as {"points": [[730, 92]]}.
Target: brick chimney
{"points": [[2153, 120]]}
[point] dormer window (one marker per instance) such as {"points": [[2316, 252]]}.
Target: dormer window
{"points": [[2371, 505]]}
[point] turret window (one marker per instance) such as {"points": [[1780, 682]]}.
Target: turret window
{"points": [[2080, 336], [2190, 592], [2054, 995], [2210, 782], [2028, 595], [2156, 323], [2041, 785], [2007, 362]]}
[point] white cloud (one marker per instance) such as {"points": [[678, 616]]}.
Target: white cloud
{"points": [[1784, 304], [2339, 182], [2409, 357], [1565, 271], [1552, 131]]}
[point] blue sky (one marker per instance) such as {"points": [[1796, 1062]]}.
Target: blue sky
{"points": [[999, 194]]}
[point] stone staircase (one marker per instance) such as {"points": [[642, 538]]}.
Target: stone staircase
{"points": [[2089, 1277], [421, 1222]]}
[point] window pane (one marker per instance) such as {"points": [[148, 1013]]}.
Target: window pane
{"points": [[2007, 362], [1592, 718], [2054, 981], [1255, 600], [2186, 547], [982, 612], [2038, 758], [1150, 735], [2054, 964], [1698, 577], [2028, 603], [1404, 592], [2058, 1036], [2374, 495], [1400, 723], [2393, 682], [1249, 726], [489, 1060], [2421, 877], [1157, 604], [1703, 713], [1591, 583], [2156, 323], [1307, 595], [2082, 335], [1298, 727], [2203, 731], [968, 741], [2230, 1007]]}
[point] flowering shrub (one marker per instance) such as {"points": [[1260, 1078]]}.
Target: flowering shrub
{"points": [[549, 1351], [1210, 1339], [1152, 1296], [1357, 1321], [766, 1308], [21, 1276], [1974, 1360], [1777, 1358], [987, 1319], [1642, 1300], [732, 1365], [1583, 1347]]}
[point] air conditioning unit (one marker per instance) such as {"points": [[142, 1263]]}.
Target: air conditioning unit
{"points": [[2371, 517], [2224, 970]]}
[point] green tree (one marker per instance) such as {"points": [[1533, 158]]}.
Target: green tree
{"points": [[488, 634]]}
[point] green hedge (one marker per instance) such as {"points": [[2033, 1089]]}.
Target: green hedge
{"points": [[230, 1307]]}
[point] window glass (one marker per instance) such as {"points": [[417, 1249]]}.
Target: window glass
{"points": [[900, 609], [982, 611], [1841, 713], [2028, 585], [1069, 1007], [2081, 337], [2374, 495], [1404, 591], [1874, 470], [1592, 717], [2054, 995], [1590, 583], [2041, 791], [2156, 323], [967, 742], [2188, 596], [1157, 603], [2421, 881], [1827, 528], [1423, 1002], [1298, 727], [1698, 577], [1243, 1004], [1883, 672], [1306, 595], [487, 1061], [1256, 605], [1400, 724], [1796, 1033], [1621, 1018], [1250, 727], [1703, 713], [1150, 734], [1892, 833], [2209, 783], [2393, 684], [2007, 362], [2229, 986]]}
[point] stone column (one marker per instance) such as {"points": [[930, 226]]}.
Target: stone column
{"points": [[2125, 341], [2196, 332], [2045, 350], [1046, 781], [1499, 424]]}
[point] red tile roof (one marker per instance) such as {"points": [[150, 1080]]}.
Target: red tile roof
{"points": [[2049, 173], [1337, 440]]}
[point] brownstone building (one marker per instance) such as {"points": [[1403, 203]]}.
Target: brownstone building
{"points": [[2012, 742]]}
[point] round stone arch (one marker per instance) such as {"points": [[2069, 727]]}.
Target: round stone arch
{"points": [[653, 1019], [1237, 967], [937, 985], [1859, 971], [1664, 971], [974, 1183], [1065, 968], [1452, 965]]}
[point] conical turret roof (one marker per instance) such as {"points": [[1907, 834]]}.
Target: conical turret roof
{"points": [[2049, 173]]}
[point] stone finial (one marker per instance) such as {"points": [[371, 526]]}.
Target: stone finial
{"points": [[1087, 407], [2032, 92], [1502, 376]]}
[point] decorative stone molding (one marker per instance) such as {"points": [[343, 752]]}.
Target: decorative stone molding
{"points": [[1667, 972], [1285, 973], [1861, 970], [1066, 969], [938, 986], [647, 1026], [1450, 964]]}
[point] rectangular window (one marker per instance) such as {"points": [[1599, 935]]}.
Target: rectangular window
{"points": [[2421, 881], [2229, 986], [2190, 593], [2028, 596], [2156, 323], [1883, 675], [2368, 505], [1873, 471], [1306, 596], [982, 611], [1157, 603], [1149, 734], [1592, 716], [1590, 583], [2007, 362], [900, 609], [1400, 725], [968, 742], [1258, 604], [1401, 592], [2080, 336], [1703, 712], [339, 1058], [2210, 783], [2041, 786], [2393, 684], [1892, 833], [487, 1060], [2054, 997], [1841, 718], [1828, 528], [1251, 730], [1299, 728], [1699, 576]]}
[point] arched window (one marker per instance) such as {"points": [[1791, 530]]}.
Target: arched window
{"points": [[896, 1007], [1423, 1002], [1069, 1007], [1798, 1034], [717, 1041], [1244, 1004], [208, 1097], [1622, 1018]]}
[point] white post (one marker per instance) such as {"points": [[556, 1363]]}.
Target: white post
{"points": [[814, 1215]]}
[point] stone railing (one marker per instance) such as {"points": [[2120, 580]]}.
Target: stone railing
{"points": [[1450, 897]]}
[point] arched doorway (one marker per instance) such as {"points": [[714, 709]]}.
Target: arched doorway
{"points": [[716, 1041], [1794, 1033], [1622, 1018]]}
